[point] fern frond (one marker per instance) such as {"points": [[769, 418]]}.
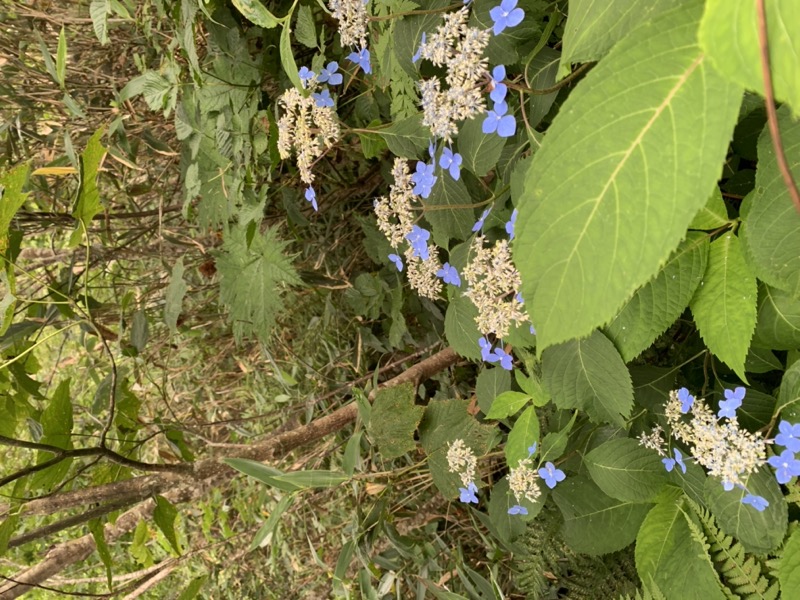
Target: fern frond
{"points": [[648, 592], [741, 574]]}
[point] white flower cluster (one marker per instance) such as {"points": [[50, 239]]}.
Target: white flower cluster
{"points": [[462, 460], [493, 286], [728, 452], [305, 127], [524, 481], [459, 48], [352, 17], [422, 273]]}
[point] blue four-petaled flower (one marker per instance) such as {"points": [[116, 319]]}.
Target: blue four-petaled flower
{"points": [[789, 436], [468, 494], [504, 358], [498, 121], [323, 99], [329, 74], [418, 238], [786, 466], [423, 179], [687, 400], [479, 223], [511, 223], [451, 162], [506, 15], [757, 502], [397, 260], [311, 196], [486, 350], [669, 463], [361, 58], [499, 89], [551, 474], [518, 510], [449, 274], [733, 400], [418, 53], [532, 449], [306, 75]]}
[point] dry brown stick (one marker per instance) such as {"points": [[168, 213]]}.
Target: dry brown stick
{"points": [[772, 113], [211, 473]]}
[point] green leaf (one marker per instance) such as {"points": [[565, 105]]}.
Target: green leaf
{"points": [[12, 198], [255, 12], [627, 471], [669, 553], [394, 420], [57, 421], [352, 452], [507, 404], [789, 567], [448, 210], [789, 394], [770, 222], [305, 31], [522, 435], [593, 522], [252, 279], [593, 27], [541, 73], [460, 328], [139, 330], [7, 529], [589, 374], [555, 442], [98, 11], [758, 532], [311, 478], [724, 306], [444, 422], [88, 204], [176, 290], [480, 151], [194, 587], [713, 215], [287, 56], [729, 36], [491, 383], [508, 527], [408, 34], [532, 387], [406, 138], [620, 176], [656, 306], [760, 360], [164, 516], [778, 323], [262, 473], [61, 58], [98, 533]]}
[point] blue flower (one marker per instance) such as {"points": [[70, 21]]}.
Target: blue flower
{"points": [[533, 330], [518, 510], [449, 275], [733, 400], [518, 298], [451, 162], [532, 449], [727, 486], [468, 493], [479, 224], [418, 53], [323, 99], [789, 436], [756, 502], [786, 466], [551, 475], [329, 74], [687, 400], [418, 238], [361, 58], [306, 75], [431, 149], [397, 261], [506, 15], [486, 350], [497, 120], [311, 196], [423, 179], [504, 358], [669, 463], [499, 89], [510, 224]]}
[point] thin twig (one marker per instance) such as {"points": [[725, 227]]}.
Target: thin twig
{"points": [[772, 113]]}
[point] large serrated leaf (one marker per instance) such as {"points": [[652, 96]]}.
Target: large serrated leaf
{"points": [[729, 36], [589, 374], [771, 224], [98, 11], [660, 302], [668, 554], [724, 305], [88, 204], [491, 383], [406, 138], [394, 420], [448, 210], [460, 328], [625, 470], [629, 160], [479, 150], [778, 323], [713, 215], [593, 522]]}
